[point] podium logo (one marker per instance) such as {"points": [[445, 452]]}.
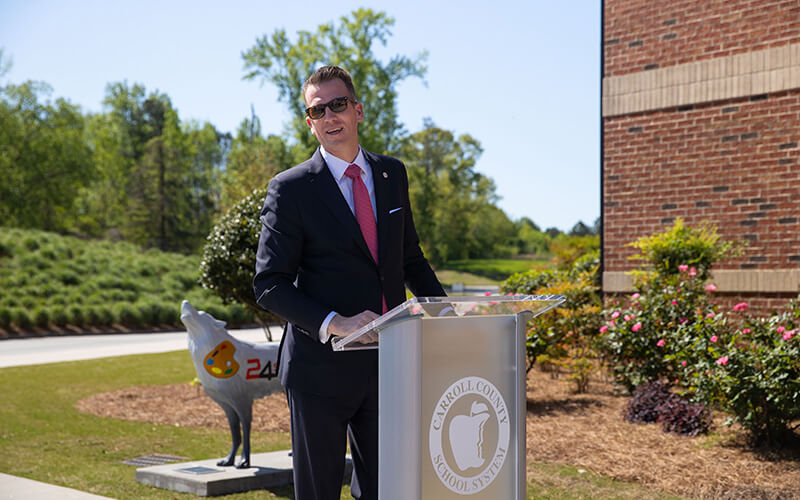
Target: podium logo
{"points": [[469, 435]]}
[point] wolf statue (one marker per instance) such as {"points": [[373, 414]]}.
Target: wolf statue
{"points": [[233, 373]]}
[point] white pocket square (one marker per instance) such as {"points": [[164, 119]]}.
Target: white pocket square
{"points": [[394, 210]]}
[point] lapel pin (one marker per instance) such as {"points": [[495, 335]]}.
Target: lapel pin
{"points": [[385, 175]]}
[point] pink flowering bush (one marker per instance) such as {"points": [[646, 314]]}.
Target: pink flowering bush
{"points": [[756, 375], [644, 338]]}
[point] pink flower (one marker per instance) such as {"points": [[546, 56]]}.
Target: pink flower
{"points": [[692, 272], [711, 287], [710, 315], [676, 381], [635, 296], [612, 323], [781, 329], [741, 306], [746, 331], [674, 302], [627, 318], [636, 327], [488, 293], [603, 329], [683, 268], [615, 315], [787, 335], [713, 338], [682, 321], [722, 361], [661, 343], [510, 294], [683, 363]]}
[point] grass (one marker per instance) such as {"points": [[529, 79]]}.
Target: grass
{"points": [[51, 280], [43, 437], [497, 269]]}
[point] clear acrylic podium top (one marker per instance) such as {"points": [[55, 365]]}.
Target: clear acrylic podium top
{"points": [[366, 337]]}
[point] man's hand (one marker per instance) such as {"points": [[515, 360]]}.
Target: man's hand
{"points": [[342, 325]]}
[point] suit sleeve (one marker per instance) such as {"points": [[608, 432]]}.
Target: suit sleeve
{"points": [[280, 248], [419, 277]]}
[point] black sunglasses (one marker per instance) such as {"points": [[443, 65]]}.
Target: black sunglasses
{"points": [[337, 105]]}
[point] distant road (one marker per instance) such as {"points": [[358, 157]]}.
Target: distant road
{"points": [[40, 350]]}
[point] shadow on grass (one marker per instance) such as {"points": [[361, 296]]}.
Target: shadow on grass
{"points": [[550, 407]]}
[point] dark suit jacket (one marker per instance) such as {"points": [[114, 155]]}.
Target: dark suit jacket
{"points": [[312, 259]]}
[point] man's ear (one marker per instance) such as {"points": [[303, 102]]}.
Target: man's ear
{"points": [[359, 112], [308, 122]]}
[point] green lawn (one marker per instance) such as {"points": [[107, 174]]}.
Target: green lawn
{"points": [[44, 438], [496, 269]]}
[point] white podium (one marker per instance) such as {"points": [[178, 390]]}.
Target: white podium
{"points": [[451, 399]]}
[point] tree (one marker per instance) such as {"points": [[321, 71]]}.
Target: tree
{"points": [[348, 44], [156, 178], [453, 204], [253, 160], [580, 229], [44, 159]]}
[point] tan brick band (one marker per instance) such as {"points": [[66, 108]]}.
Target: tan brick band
{"points": [[740, 75], [767, 281]]}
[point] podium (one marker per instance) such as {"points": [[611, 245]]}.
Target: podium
{"points": [[451, 401]]}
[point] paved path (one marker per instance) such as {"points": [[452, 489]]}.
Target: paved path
{"points": [[39, 350], [13, 487]]}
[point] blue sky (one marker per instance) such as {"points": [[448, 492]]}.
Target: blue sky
{"points": [[522, 77]]}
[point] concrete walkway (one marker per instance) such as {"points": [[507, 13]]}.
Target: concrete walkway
{"points": [[41, 350], [13, 487]]}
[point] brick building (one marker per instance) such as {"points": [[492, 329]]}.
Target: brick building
{"points": [[701, 120]]}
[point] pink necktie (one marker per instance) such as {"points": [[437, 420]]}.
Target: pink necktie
{"points": [[364, 214]]}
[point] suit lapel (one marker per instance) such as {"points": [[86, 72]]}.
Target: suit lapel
{"points": [[380, 181], [328, 191]]}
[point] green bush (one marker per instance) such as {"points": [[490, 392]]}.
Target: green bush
{"points": [[644, 338], [76, 315], [59, 316], [566, 336], [41, 317], [229, 256], [21, 318], [698, 248], [755, 374], [128, 315], [5, 316]]}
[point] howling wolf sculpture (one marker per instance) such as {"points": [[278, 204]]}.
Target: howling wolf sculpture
{"points": [[233, 373]]}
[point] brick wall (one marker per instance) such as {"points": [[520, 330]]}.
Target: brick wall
{"points": [[734, 163], [646, 34], [712, 135]]}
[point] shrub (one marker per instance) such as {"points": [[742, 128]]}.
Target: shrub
{"points": [[647, 398], [128, 315], [682, 417], [41, 317], [21, 318], [653, 402], [76, 315], [5, 316], [59, 316], [698, 247], [564, 337], [229, 256], [756, 375]]}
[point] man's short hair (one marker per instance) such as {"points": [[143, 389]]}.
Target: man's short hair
{"points": [[328, 73]]}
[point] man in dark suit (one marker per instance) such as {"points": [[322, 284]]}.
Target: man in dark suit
{"points": [[337, 248]]}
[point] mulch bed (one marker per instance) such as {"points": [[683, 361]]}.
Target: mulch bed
{"points": [[583, 430]]}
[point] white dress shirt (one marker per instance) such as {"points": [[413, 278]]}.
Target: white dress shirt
{"points": [[337, 167]]}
